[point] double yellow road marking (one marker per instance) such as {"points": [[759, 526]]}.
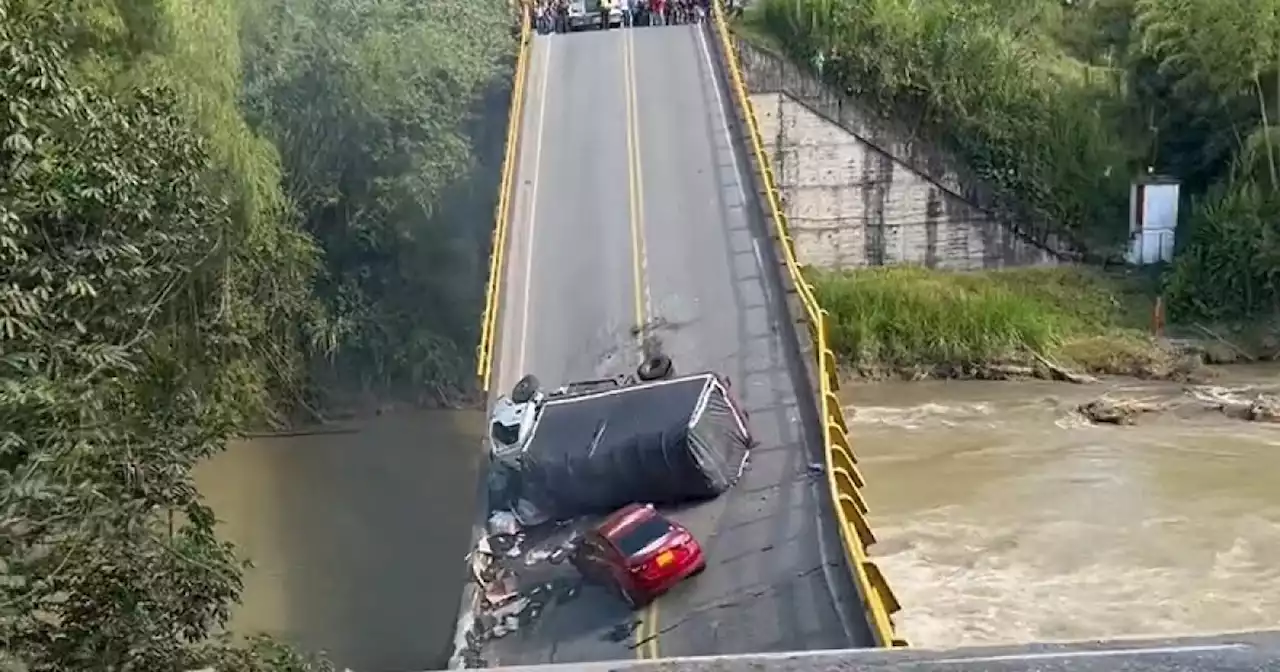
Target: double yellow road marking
{"points": [[635, 183], [646, 634]]}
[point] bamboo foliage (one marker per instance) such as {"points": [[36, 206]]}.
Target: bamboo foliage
{"points": [[193, 198], [1226, 59]]}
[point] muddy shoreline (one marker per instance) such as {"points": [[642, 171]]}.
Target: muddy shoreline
{"points": [[1195, 364], [1192, 361]]}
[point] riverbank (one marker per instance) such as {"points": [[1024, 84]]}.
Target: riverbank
{"points": [[917, 323]]}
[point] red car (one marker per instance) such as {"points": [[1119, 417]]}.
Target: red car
{"points": [[639, 552]]}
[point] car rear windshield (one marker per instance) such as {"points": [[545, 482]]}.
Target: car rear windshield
{"points": [[635, 539]]}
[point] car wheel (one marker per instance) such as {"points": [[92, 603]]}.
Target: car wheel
{"points": [[524, 389], [655, 367], [698, 570]]}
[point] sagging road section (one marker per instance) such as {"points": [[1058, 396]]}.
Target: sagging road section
{"points": [[632, 206]]}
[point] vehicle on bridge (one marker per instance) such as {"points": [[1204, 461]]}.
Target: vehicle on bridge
{"points": [[640, 553], [593, 446], [586, 14], [514, 415]]}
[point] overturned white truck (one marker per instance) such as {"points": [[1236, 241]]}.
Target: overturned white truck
{"points": [[593, 446]]}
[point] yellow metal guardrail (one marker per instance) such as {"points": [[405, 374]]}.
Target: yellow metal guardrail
{"points": [[843, 477], [502, 213]]}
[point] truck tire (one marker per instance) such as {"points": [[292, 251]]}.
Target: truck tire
{"points": [[655, 367], [524, 389]]}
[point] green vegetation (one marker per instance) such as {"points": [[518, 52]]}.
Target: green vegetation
{"points": [[1057, 105], [212, 214], [370, 104], [916, 320]]}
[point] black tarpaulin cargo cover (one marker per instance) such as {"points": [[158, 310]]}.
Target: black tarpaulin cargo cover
{"points": [[663, 442]]}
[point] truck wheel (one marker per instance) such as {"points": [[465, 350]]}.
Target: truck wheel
{"points": [[655, 367], [524, 389]]}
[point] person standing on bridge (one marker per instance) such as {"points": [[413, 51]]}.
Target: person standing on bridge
{"points": [[542, 17], [560, 8], [658, 13], [606, 11]]}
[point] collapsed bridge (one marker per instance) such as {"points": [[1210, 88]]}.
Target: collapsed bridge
{"points": [[632, 198], [636, 193]]}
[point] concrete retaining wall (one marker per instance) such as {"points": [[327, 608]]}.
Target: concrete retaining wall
{"points": [[860, 190]]}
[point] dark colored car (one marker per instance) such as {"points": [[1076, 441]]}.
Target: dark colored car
{"points": [[640, 553]]}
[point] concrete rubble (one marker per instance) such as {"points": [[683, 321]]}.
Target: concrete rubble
{"points": [[519, 573]]}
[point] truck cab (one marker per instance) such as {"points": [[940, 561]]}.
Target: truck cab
{"points": [[510, 425], [514, 415]]}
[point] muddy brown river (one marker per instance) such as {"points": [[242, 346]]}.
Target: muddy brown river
{"points": [[1003, 516], [357, 536]]}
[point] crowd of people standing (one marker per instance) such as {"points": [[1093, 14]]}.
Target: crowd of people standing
{"points": [[554, 15]]}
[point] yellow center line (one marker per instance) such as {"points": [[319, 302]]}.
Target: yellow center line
{"points": [[652, 617], [646, 634], [635, 185]]}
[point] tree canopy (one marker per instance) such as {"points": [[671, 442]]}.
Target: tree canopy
{"points": [[201, 206], [368, 104], [1058, 105]]}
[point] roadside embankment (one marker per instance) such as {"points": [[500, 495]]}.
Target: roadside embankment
{"points": [[1037, 101], [1064, 323]]}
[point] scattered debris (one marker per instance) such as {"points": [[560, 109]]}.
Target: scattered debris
{"points": [[1116, 411], [502, 589], [1258, 408], [561, 554], [538, 555], [1240, 404], [503, 522], [622, 631], [996, 372], [1237, 351], [528, 514], [1061, 373], [510, 608], [816, 468], [516, 571], [481, 561]]}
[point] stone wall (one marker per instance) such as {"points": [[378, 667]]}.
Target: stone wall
{"points": [[860, 190]]}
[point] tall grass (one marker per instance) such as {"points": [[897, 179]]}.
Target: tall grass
{"points": [[912, 317]]}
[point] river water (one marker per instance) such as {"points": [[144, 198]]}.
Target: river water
{"points": [[1003, 516], [357, 536]]}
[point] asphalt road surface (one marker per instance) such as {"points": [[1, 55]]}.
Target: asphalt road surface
{"points": [[631, 207]]}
